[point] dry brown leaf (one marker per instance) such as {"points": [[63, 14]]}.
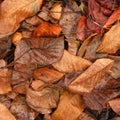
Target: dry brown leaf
{"points": [[56, 11], [5, 113], [111, 41], [45, 76], [89, 78], [47, 29], [13, 12], [115, 105], [69, 108], [70, 63], [16, 38], [43, 101], [21, 110], [113, 18], [116, 118]]}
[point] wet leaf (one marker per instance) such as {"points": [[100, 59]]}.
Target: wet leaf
{"points": [[106, 89], [45, 76], [47, 29], [111, 41], [32, 52], [5, 113], [113, 18], [20, 109], [115, 105], [43, 101], [69, 108], [90, 77], [70, 63], [13, 12]]}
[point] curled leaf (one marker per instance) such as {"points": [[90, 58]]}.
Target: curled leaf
{"points": [[111, 41], [86, 81], [70, 63], [46, 29], [13, 12]]}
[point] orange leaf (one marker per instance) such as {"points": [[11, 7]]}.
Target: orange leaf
{"points": [[113, 18], [46, 29]]}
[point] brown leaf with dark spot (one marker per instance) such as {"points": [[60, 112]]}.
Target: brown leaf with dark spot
{"points": [[21, 110], [86, 81], [43, 101], [71, 63], [69, 108], [47, 29]]}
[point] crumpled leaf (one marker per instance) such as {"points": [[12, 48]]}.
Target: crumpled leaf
{"points": [[113, 18], [115, 105], [111, 41], [13, 12], [105, 90], [35, 51], [69, 108], [45, 76], [47, 29], [5, 113], [20, 109], [69, 18], [90, 77], [70, 63], [43, 101], [5, 77]]}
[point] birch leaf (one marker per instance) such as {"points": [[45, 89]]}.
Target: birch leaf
{"points": [[88, 79], [15, 11]]}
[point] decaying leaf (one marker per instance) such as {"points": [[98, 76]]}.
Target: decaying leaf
{"points": [[69, 108], [115, 105], [70, 63], [90, 77], [5, 77], [18, 11], [20, 109], [5, 113], [47, 29], [111, 41], [68, 19], [45, 76], [35, 51], [113, 18], [56, 11], [43, 101], [105, 90]]}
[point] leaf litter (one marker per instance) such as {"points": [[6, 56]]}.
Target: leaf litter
{"points": [[59, 59]]}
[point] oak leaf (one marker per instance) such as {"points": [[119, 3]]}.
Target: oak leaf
{"points": [[14, 12], [5, 113], [47, 29], [86, 81], [69, 108], [70, 63], [111, 41]]}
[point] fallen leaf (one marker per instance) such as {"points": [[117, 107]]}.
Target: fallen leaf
{"points": [[43, 101], [56, 11], [70, 63], [105, 90], [81, 28], [45, 76], [116, 118], [111, 41], [14, 12], [5, 113], [20, 109], [69, 108], [34, 52], [68, 19], [47, 29], [90, 77], [113, 18]]}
